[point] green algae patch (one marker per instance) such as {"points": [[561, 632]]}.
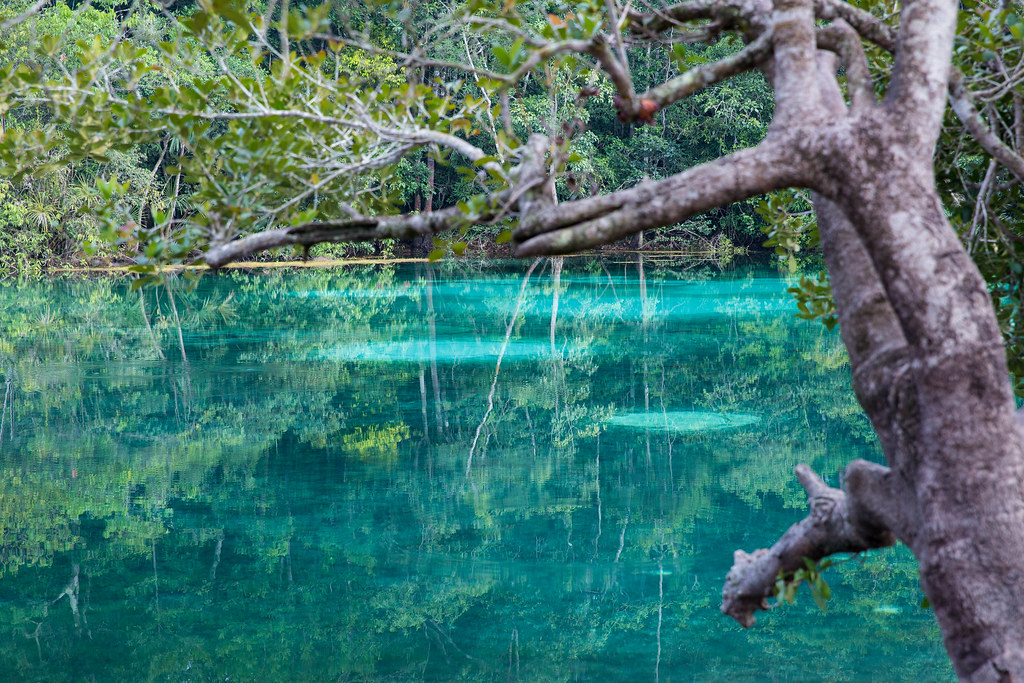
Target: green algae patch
{"points": [[683, 421]]}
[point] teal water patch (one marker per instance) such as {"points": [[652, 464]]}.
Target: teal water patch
{"points": [[659, 303], [684, 421], [443, 351], [888, 609], [225, 503], [368, 293]]}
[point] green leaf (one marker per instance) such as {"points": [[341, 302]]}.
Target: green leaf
{"points": [[49, 44], [501, 54], [819, 599], [141, 282], [436, 255]]}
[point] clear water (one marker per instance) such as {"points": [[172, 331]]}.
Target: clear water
{"points": [[320, 476]]}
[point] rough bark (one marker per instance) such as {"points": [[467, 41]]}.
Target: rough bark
{"points": [[832, 527], [575, 226], [929, 369]]}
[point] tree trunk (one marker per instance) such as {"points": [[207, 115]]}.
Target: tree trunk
{"points": [[421, 245], [926, 353], [430, 184], [945, 415], [929, 369]]}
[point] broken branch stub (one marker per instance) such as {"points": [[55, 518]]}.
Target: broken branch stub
{"points": [[830, 528]]}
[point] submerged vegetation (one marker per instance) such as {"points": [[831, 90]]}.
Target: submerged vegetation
{"points": [[214, 508]]}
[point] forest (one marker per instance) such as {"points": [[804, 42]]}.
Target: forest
{"points": [[49, 218]]}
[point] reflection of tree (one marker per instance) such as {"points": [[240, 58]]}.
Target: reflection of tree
{"points": [[497, 366], [297, 506]]}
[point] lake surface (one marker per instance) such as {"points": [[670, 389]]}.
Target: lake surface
{"points": [[427, 473]]}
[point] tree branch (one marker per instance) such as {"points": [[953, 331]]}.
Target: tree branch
{"points": [[794, 69], [1018, 121], [700, 77], [404, 226], [14, 21], [841, 38], [617, 72], [864, 23], [960, 98], [883, 505], [832, 527], [615, 30], [587, 223], [921, 71], [963, 105], [870, 329], [752, 14]]}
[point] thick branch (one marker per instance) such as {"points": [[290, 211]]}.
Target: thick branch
{"points": [[794, 71], [963, 105], [607, 218], [751, 15], [839, 37], [921, 70], [615, 29], [700, 77], [616, 71], [960, 98], [870, 329], [406, 226], [832, 527], [881, 502], [865, 23]]}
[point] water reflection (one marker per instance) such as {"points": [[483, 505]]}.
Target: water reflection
{"points": [[485, 490]]}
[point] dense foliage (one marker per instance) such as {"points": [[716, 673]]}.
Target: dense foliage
{"points": [[190, 59]]}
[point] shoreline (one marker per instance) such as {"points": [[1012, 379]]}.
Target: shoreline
{"points": [[657, 255]]}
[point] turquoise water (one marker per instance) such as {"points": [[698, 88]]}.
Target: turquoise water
{"points": [[328, 475]]}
